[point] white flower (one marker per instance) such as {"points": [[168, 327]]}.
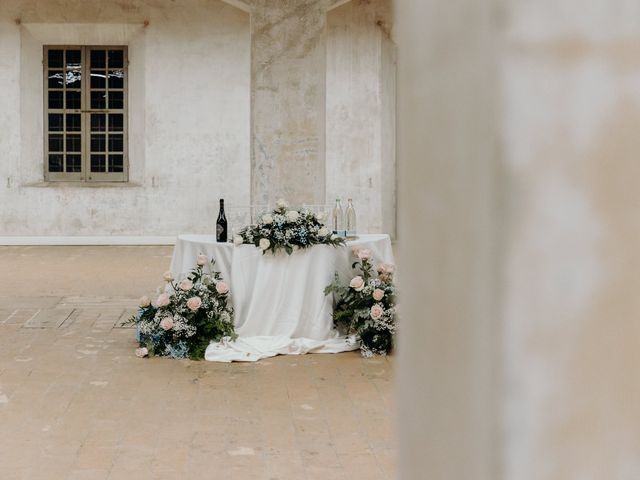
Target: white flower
{"points": [[357, 283], [323, 232], [292, 216], [264, 244], [237, 240], [142, 352], [267, 219], [281, 203], [168, 276], [202, 259], [144, 302], [321, 216]]}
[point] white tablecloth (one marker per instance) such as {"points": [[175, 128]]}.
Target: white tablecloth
{"points": [[279, 301]]}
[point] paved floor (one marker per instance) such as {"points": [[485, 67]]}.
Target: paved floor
{"points": [[75, 403]]}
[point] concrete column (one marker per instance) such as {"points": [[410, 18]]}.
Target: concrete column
{"points": [[288, 57]]}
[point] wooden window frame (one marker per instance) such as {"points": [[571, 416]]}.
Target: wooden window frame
{"points": [[85, 111]]}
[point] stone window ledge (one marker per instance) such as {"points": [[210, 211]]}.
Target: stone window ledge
{"points": [[82, 185]]}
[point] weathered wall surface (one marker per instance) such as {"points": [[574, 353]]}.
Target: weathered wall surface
{"points": [[189, 116], [196, 109], [360, 153]]}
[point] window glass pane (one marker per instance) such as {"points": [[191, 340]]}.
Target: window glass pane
{"points": [[116, 59], [54, 59], [73, 100], [98, 79], [56, 79], [55, 162], [98, 100], [73, 59], [98, 59], [55, 99], [98, 122], [98, 143], [116, 79], [116, 163], [74, 143], [55, 122], [73, 122], [74, 79], [74, 163], [56, 142], [116, 122], [98, 163], [115, 143], [116, 100]]}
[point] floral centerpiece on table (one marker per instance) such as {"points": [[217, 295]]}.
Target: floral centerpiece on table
{"points": [[288, 230], [366, 307], [187, 316]]}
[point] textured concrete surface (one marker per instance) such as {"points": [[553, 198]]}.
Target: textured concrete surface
{"points": [[207, 117], [189, 97], [75, 403], [288, 55]]}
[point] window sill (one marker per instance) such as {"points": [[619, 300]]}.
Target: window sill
{"points": [[63, 184]]}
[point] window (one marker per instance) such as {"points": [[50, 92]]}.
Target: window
{"points": [[85, 110]]}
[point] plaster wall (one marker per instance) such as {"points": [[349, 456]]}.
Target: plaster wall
{"points": [[188, 116], [360, 152]]}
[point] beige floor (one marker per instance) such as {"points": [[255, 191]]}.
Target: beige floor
{"points": [[76, 403]]}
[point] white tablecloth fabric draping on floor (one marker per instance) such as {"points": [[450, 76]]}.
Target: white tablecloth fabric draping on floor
{"points": [[279, 301]]}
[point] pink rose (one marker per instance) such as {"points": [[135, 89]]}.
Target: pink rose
{"points": [[357, 283], [166, 323], [386, 268], [355, 251], [222, 288], [376, 312], [163, 300], [194, 303], [378, 294], [364, 254], [202, 259], [186, 285], [142, 352]]}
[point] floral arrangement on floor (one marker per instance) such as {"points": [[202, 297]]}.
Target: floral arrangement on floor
{"points": [[287, 230], [366, 307], [187, 315]]}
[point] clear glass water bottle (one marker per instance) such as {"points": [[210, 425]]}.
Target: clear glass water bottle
{"points": [[350, 219], [337, 219]]}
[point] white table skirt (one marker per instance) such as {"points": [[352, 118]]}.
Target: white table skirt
{"points": [[279, 301]]}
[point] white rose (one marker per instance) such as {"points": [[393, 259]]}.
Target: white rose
{"points": [[238, 240], [292, 216], [321, 216], [357, 283], [144, 302], [323, 232], [282, 203], [267, 219], [168, 277], [264, 244]]}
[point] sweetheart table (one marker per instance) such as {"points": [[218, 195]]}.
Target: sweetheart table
{"points": [[279, 301]]}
